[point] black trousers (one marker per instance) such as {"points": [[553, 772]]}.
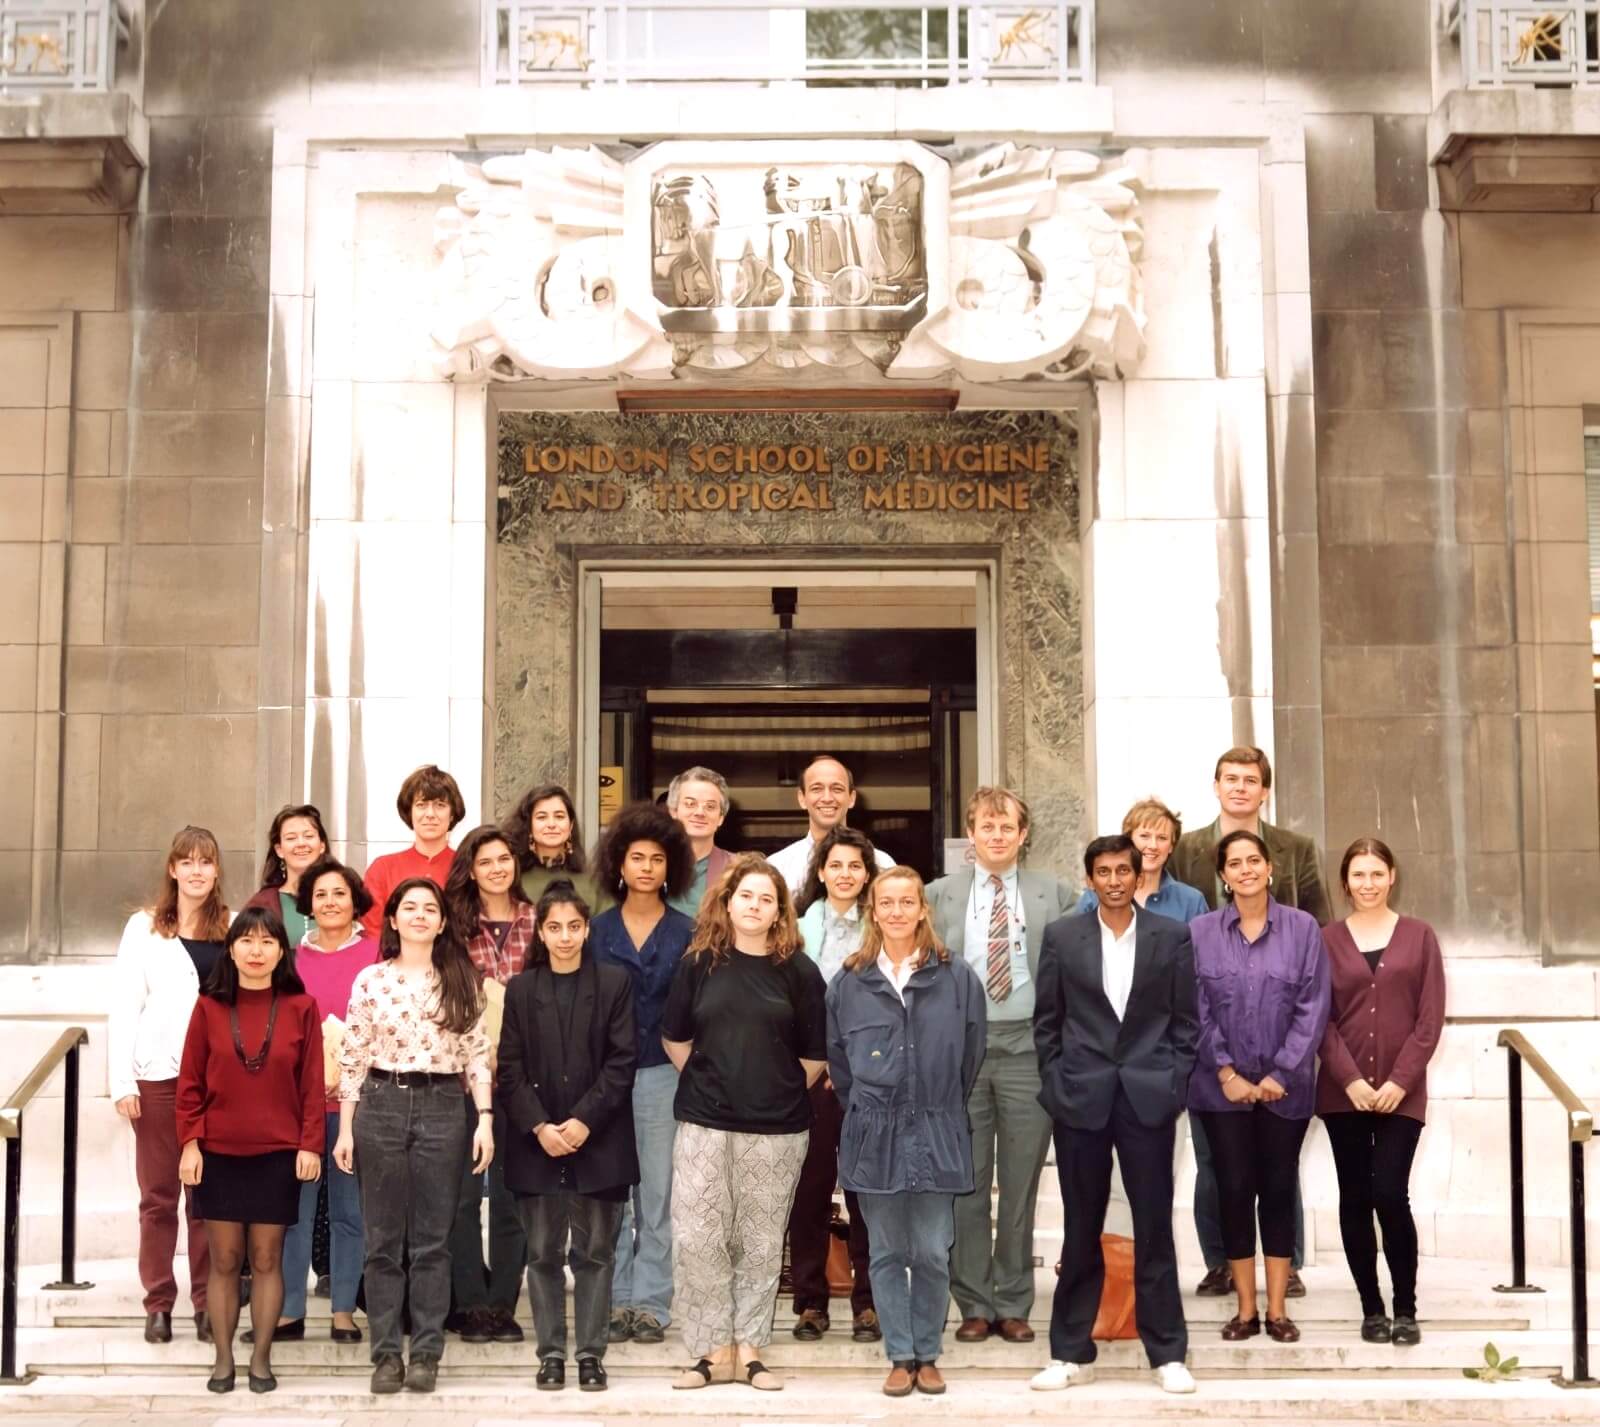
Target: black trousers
{"points": [[582, 1231], [1083, 1164], [1257, 1155], [812, 1211], [1372, 1154]]}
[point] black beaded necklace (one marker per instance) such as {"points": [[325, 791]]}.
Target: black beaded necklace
{"points": [[253, 1063]]}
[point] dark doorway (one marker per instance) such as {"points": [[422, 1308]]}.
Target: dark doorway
{"points": [[897, 706]]}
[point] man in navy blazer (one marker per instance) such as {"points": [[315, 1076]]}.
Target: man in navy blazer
{"points": [[1114, 1025]]}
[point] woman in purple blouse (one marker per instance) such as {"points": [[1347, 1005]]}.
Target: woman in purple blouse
{"points": [[1262, 990]]}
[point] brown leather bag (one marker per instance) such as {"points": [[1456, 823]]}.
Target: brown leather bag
{"points": [[1115, 1318], [841, 1274]]}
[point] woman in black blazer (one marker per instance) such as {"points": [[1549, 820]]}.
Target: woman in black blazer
{"points": [[565, 1095]]}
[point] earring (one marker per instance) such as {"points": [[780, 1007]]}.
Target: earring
{"points": [[566, 852]]}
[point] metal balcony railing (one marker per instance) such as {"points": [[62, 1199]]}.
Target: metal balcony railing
{"points": [[826, 42], [1549, 44], [58, 45]]}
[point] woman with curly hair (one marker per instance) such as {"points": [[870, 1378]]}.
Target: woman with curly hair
{"points": [[646, 857], [543, 832], [746, 1027]]}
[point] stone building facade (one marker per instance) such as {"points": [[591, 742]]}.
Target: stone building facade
{"points": [[1349, 460]]}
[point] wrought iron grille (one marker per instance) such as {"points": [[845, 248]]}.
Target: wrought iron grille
{"points": [[58, 44], [1552, 45]]}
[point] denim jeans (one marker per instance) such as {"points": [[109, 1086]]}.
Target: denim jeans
{"points": [[409, 1148], [910, 1235], [346, 1248], [642, 1279], [1208, 1205], [472, 1284], [549, 1220]]}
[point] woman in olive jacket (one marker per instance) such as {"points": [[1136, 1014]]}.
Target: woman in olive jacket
{"points": [[907, 1032], [568, 1048]]}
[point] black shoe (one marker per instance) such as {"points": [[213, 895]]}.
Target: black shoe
{"points": [[811, 1325], [346, 1335], [220, 1384], [1376, 1328], [1217, 1283], [291, 1332], [454, 1321], [422, 1373], [263, 1384], [388, 1374], [552, 1375], [202, 1326], [503, 1326], [1297, 1285], [621, 1328], [323, 1288], [647, 1328], [158, 1327], [479, 1326], [1406, 1332], [591, 1376]]}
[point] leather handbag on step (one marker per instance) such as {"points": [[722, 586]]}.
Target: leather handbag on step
{"points": [[841, 1274], [1115, 1318]]}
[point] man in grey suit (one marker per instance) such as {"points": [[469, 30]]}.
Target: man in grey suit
{"points": [[994, 917]]}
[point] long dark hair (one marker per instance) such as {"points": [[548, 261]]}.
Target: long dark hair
{"points": [[560, 893], [462, 902], [519, 833], [460, 986], [644, 822], [274, 871], [840, 836], [223, 983]]}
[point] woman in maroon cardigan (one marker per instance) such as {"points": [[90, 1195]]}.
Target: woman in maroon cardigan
{"points": [[250, 1108], [1372, 1090]]}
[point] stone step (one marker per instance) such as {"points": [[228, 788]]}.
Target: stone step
{"points": [[1321, 1350], [825, 1401]]}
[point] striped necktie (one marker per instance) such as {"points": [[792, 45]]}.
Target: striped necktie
{"points": [[999, 978]]}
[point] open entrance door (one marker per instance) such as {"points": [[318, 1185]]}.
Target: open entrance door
{"points": [[752, 672]]}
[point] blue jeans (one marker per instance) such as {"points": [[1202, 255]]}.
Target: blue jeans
{"points": [[910, 1235], [642, 1279], [346, 1246], [1208, 1206]]}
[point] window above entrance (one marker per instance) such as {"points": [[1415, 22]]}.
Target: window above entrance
{"points": [[826, 43]]}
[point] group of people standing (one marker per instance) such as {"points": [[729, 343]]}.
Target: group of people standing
{"points": [[660, 1060]]}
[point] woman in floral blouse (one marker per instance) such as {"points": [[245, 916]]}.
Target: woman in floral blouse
{"points": [[416, 1027]]}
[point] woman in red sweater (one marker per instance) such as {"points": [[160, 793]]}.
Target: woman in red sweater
{"points": [[250, 1108], [1372, 1091]]}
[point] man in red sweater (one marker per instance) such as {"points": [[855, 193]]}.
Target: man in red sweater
{"points": [[430, 804]]}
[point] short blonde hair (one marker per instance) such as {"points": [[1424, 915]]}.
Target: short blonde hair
{"points": [[989, 799], [1148, 811]]}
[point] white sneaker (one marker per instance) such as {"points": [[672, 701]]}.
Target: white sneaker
{"points": [[1173, 1377], [1059, 1375]]}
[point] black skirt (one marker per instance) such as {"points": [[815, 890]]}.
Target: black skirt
{"points": [[248, 1188]]}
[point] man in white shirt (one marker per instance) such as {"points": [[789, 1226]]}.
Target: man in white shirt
{"points": [[827, 793], [1115, 1026], [993, 916]]}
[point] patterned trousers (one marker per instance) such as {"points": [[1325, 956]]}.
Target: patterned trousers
{"points": [[730, 1206]]}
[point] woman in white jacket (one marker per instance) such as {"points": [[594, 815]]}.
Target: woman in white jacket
{"points": [[167, 952]]}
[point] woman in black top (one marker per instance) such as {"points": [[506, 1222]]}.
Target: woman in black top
{"points": [[567, 1052], [746, 1026]]}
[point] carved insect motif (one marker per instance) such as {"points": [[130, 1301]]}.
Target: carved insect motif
{"points": [[550, 46], [1540, 41], [1023, 33], [46, 48]]}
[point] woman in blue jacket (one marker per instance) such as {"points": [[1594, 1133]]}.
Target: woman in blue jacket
{"points": [[895, 1010]]}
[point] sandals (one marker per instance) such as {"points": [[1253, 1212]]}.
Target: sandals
{"points": [[761, 1377], [704, 1373]]}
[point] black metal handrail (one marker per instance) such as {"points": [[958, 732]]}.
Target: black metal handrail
{"points": [[1580, 1130], [67, 1046]]}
